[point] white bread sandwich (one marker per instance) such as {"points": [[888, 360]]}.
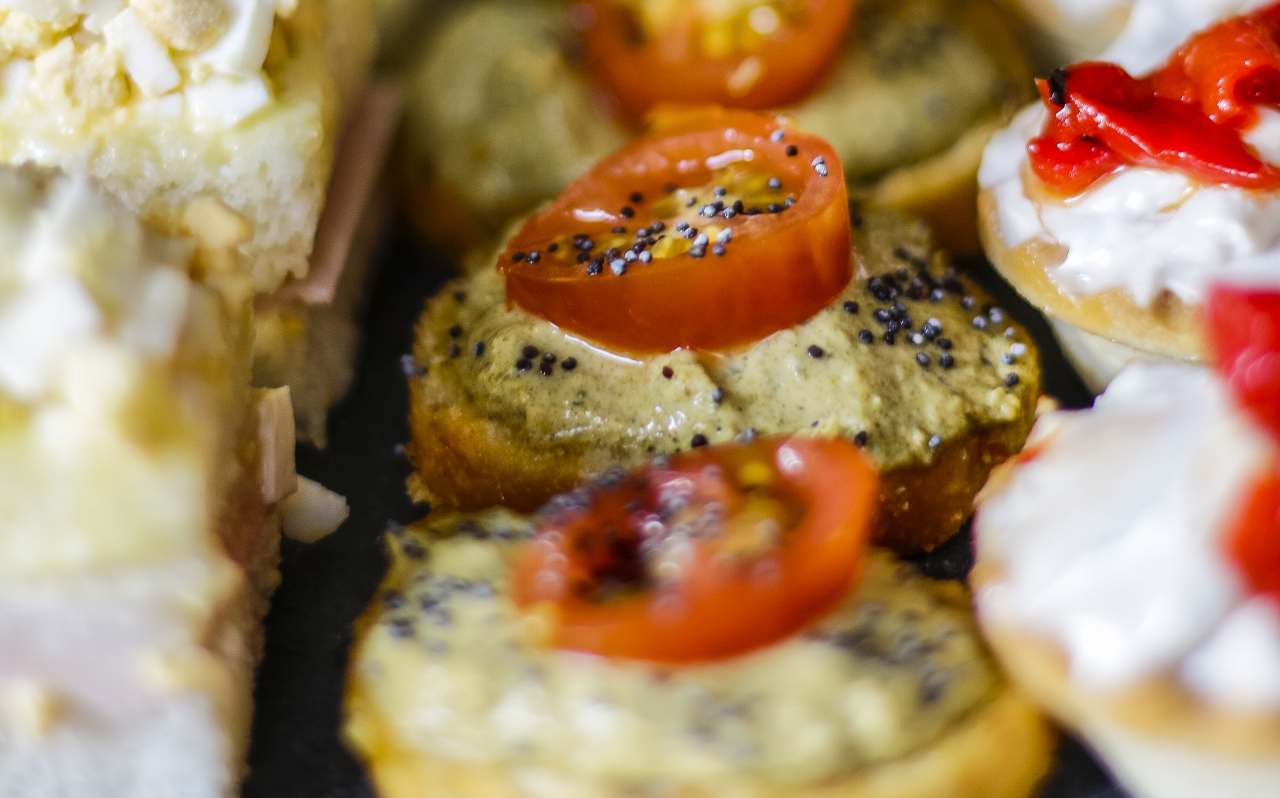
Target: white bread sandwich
{"points": [[141, 484], [168, 101]]}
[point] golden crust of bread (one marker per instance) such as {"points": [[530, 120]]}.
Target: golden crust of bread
{"points": [[467, 461], [1169, 327], [1001, 750]]}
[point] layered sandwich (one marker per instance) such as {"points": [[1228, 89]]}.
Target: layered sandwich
{"points": [[141, 487], [167, 101]]}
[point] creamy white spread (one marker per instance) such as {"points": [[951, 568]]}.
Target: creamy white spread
{"points": [[1145, 231], [1110, 542], [102, 53]]}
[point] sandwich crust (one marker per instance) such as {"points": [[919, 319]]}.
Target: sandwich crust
{"points": [[1168, 328]]}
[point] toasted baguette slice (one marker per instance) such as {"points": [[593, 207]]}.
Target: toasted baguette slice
{"points": [[890, 695], [485, 433], [139, 478]]}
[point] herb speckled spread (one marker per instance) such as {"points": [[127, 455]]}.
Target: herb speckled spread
{"points": [[911, 357], [503, 111], [448, 663]]}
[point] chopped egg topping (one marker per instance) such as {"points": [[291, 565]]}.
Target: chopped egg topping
{"points": [[207, 56]]}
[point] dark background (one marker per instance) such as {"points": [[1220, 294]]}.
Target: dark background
{"points": [[296, 748]]}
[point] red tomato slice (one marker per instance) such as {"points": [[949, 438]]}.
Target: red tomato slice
{"points": [[716, 232], [760, 54], [1253, 543], [1244, 332], [1187, 116], [720, 552]]}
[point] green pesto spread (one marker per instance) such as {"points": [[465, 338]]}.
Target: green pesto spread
{"points": [[960, 366], [448, 662], [502, 114]]}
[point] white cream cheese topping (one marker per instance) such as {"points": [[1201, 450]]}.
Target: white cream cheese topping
{"points": [[1110, 542], [1145, 231]]}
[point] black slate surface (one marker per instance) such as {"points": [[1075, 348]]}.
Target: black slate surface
{"points": [[296, 749]]}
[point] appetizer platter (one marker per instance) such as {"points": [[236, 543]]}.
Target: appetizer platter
{"points": [[602, 398]]}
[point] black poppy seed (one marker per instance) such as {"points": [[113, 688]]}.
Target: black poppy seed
{"points": [[401, 627], [1058, 86], [459, 296], [394, 599], [627, 212], [530, 351], [1008, 359], [569, 363], [816, 352], [553, 247], [410, 367], [546, 369], [516, 257], [996, 315], [980, 322], [629, 256], [776, 135], [935, 441], [776, 207], [792, 150], [413, 550], [890, 338], [788, 202], [967, 302], [724, 236], [720, 191], [717, 395], [691, 233], [583, 257], [1011, 380], [478, 349], [618, 230], [937, 295], [861, 438], [454, 351], [534, 257], [455, 331], [947, 360], [775, 183], [708, 211], [1009, 332], [698, 252], [595, 267], [549, 357], [944, 343], [636, 197], [728, 213], [821, 169], [524, 364], [645, 257], [718, 250], [916, 339], [882, 315], [923, 359], [699, 441], [618, 266], [739, 206], [668, 372], [658, 226], [850, 307], [692, 201], [702, 240], [866, 337]]}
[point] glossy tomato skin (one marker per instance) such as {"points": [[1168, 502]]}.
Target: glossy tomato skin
{"points": [[1253, 542], [777, 269], [1188, 115], [587, 565], [644, 73]]}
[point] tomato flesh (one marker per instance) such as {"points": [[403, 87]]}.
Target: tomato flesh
{"points": [[1244, 333], [717, 553], [1188, 115], [718, 231], [1253, 542], [744, 54]]}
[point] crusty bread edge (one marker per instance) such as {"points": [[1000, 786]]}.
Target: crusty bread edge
{"points": [[1169, 327]]}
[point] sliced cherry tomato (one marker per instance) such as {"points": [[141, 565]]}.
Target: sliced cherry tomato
{"points": [[1244, 331], [719, 552], [1187, 116], [740, 53], [1253, 542], [716, 232]]}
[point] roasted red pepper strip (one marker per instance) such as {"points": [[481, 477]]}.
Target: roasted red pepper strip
{"points": [[1244, 330], [1253, 542], [1187, 116]]}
